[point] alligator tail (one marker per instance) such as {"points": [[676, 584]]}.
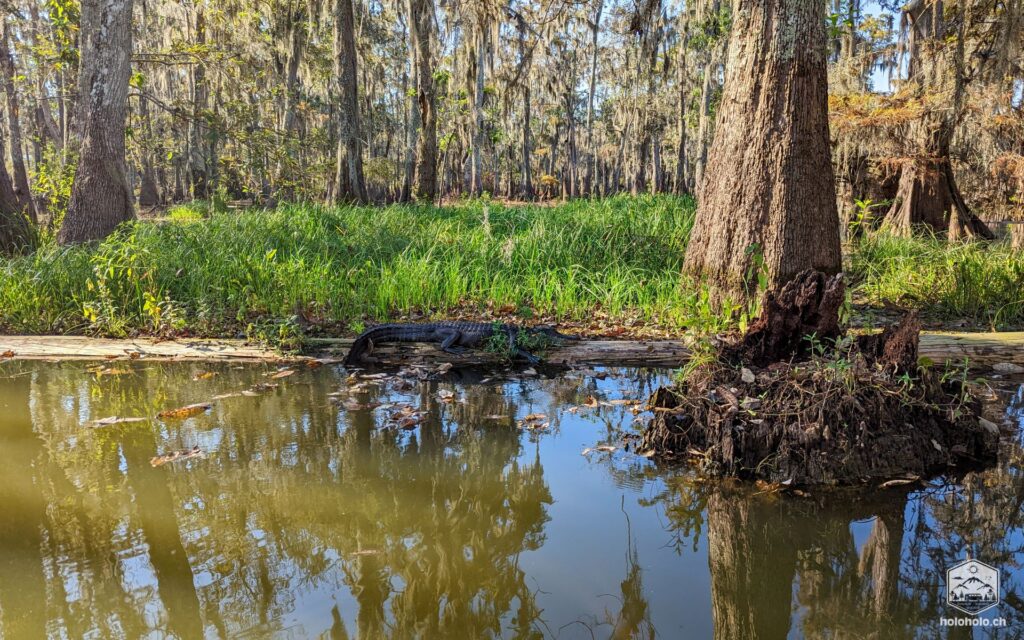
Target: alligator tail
{"points": [[363, 343]]}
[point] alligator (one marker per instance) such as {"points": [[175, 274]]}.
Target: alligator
{"points": [[454, 337]]}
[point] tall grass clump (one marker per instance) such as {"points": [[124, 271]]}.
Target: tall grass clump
{"points": [[982, 282], [214, 275]]}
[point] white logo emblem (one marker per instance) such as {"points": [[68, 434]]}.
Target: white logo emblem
{"points": [[972, 586]]}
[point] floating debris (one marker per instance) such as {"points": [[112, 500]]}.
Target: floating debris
{"points": [[106, 422], [605, 448], [186, 411], [174, 456]]}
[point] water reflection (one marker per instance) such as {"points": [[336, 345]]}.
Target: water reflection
{"points": [[307, 518]]}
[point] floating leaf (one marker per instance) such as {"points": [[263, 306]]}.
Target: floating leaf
{"points": [[284, 373], [203, 375], [186, 411]]}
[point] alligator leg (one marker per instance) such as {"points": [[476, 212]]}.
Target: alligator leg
{"points": [[526, 355], [451, 336]]}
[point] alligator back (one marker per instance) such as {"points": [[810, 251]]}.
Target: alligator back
{"points": [[412, 332]]}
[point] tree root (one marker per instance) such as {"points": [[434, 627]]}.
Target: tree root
{"points": [[848, 412]]}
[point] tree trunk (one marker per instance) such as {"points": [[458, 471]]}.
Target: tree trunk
{"points": [[527, 186], [412, 125], [680, 187], [100, 197], [149, 194], [928, 198], [769, 187], [200, 93], [349, 182], [421, 29], [14, 230], [476, 177], [14, 126], [595, 29]]}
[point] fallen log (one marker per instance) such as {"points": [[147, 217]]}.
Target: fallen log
{"points": [[980, 349]]}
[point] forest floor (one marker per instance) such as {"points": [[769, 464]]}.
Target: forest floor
{"points": [[607, 268]]}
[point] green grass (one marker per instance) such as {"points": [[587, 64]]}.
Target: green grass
{"points": [[979, 282], [216, 275], [223, 273]]}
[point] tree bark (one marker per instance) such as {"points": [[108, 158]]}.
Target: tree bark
{"points": [[421, 29], [197, 160], [680, 186], [14, 126], [595, 29], [769, 187], [100, 196], [349, 182], [476, 178], [412, 124], [526, 189]]}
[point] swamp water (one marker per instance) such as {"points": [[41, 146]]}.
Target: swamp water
{"points": [[461, 508]]}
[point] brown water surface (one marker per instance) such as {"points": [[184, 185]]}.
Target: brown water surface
{"points": [[313, 513]]}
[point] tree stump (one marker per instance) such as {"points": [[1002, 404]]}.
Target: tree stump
{"points": [[804, 311]]}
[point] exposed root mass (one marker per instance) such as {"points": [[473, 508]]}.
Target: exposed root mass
{"points": [[839, 411]]}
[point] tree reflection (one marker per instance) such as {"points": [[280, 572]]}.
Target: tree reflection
{"points": [[423, 529]]}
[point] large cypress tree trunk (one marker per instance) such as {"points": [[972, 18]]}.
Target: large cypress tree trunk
{"points": [[349, 182], [421, 28], [769, 184], [928, 197], [101, 198]]}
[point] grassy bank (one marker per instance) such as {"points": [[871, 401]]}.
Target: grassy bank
{"points": [[345, 267], [349, 265], [982, 284]]}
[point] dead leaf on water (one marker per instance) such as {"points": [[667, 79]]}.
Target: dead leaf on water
{"points": [[186, 411], [535, 417], [174, 456], [446, 396], [591, 402], [203, 375], [896, 482], [284, 373], [366, 552], [606, 448], [7, 354], [106, 422]]}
